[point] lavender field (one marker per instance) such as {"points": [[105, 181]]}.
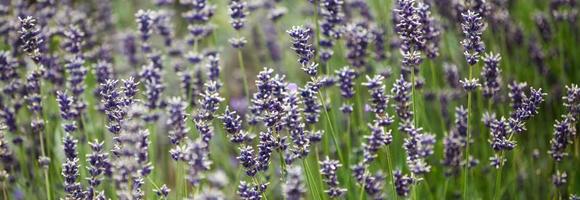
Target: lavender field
{"points": [[289, 99]]}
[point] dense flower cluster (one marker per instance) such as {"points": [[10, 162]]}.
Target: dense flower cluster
{"points": [[328, 170], [165, 107]]}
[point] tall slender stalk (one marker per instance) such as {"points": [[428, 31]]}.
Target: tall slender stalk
{"points": [[497, 182], [332, 133], [310, 179], [244, 75], [466, 167], [390, 173]]}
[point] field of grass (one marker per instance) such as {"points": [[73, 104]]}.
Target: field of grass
{"points": [[289, 99]]}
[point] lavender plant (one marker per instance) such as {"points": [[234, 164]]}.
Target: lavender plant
{"points": [[197, 99]]}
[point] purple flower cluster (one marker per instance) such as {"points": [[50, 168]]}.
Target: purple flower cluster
{"points": [[233, 126], [248, 191], [151, 78], [145, 23], [418, 146], [372, 184], [312, 106], [346, 79], [402, 97], [70, 169], [431, 30], [408, 25], [302, 45], [472, 26], [455, 143], [130, 163], [176, 120], [30, 38], [358, 39], [77, 73], [332, 15], [238, 13], [376, 140], [328, 170], [403, 183], [491, 75], [98, 165], [294, 188], [196, 155]]}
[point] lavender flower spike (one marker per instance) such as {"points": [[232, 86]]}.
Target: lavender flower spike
{"points": [[328, 170], [472, 26]]}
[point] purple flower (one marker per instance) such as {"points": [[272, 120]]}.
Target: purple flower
{"points": [[431, 29], [379, 100], [294, 188], [564, 10], [248, 191], [328, 170], [358, 39], [543, 26], [470, 85], [403, 183], [564, 133], [163, 26], [98, 163], [197, 157], [303, 47], [376, 140], [248, 160], [145, 22], [408, 25], [112, 105], [491, 75], [402, 97], [74, 40], [517, 94], [176, 120], [129, 48], [346, 79], [201, 11], [378, 35], [213, 66], [238, 13], [418, 147], [500, 132], [70, 172], [312, 106], [451, 75], [332, 17], [33, 91], [238, 43], [559, 178], [266, 146], [163, 191], [29, 37], [572, 100], [472, 26], [151, 77]]}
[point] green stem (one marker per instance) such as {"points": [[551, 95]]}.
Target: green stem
{"points": [[362, 188], [244, 76], [310, 179], [46, 177], [332, 133], [466, 174], [390, 173], [445, 188], [497, 183], [413, 94]]}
